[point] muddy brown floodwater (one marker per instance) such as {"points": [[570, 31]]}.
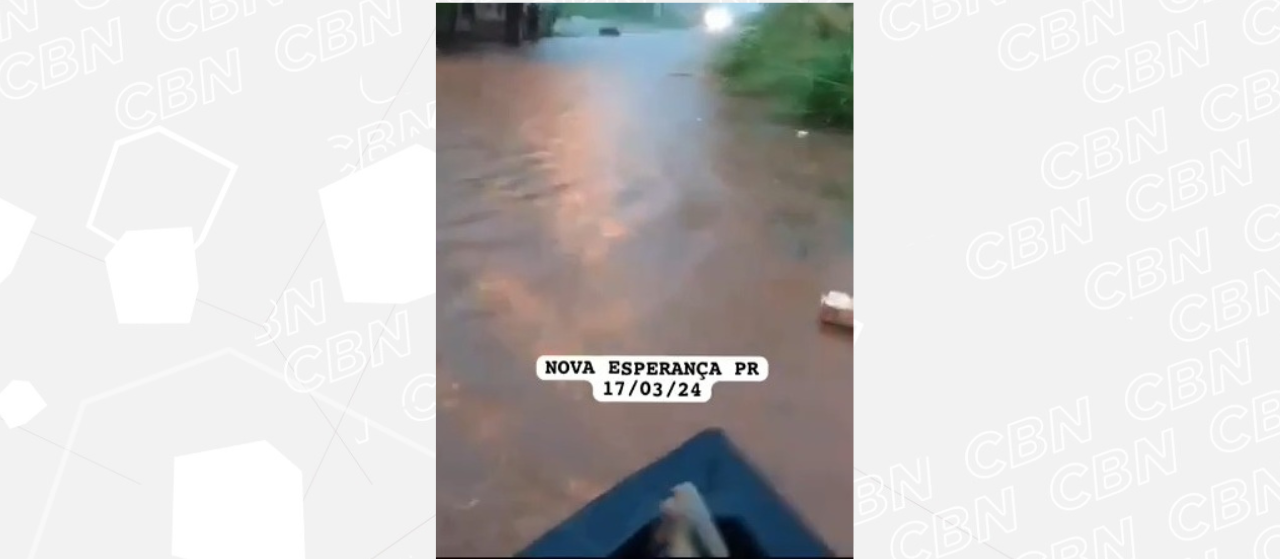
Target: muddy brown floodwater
{"points": [[599, 196]]}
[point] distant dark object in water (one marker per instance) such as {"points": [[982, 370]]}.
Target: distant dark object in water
{"points": [[609, 32], [752, 517]]}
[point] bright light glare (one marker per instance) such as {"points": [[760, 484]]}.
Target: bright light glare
{"points": [[717, 19]]}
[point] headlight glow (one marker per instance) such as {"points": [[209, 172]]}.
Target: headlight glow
{"points": [[717, 19]]}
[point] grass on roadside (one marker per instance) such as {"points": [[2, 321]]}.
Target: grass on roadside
{"points": [[800, 56]]}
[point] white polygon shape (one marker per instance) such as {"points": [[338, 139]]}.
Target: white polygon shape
{"points": [[19, 403], [278, 375], [153, 276], [240, 502], [111, 161], [15, 227], [382, 224]]}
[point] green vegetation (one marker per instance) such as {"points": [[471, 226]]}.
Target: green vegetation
{"points": [[801, 57], [446, 21]]}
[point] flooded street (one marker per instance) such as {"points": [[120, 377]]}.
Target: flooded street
{"points": [[598, 195]]}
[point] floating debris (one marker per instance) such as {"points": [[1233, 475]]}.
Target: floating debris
{"points": [[837, 308]]}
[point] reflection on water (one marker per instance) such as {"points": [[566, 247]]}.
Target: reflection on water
{"points": [[597, 195]]}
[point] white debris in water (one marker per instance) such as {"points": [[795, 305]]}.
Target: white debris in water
{"points": [[837, 308], [837, 300], [802, 133]]}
